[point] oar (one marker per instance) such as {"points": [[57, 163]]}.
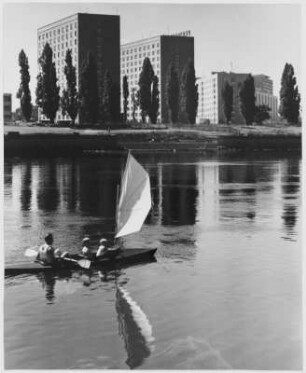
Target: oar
{"points": [[30, 253], [83, 263]]}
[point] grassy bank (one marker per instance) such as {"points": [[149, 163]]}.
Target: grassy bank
{"points": [[24, 140]]}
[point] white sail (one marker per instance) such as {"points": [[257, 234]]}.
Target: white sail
{"points": [[135, 198]]}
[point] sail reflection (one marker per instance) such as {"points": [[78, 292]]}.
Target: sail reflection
{"points": [[134, 328]]}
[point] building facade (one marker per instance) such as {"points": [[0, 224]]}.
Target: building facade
{"points": [[84, 33], [162, 51], [7, 107], [210, 106]]}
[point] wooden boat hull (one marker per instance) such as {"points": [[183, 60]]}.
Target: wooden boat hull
{"points": [[124, 257]]}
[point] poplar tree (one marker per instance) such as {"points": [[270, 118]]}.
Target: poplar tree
{"points": [[145, 82], [125, 87], [135, 102], [189, 93], [173, 93], [89, 101], [47, 91], [227, 101], [289, 96], [107, 92], [70, 99], [248, 99], [153, 114], [24, 93]]}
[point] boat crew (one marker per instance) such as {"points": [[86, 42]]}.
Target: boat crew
{"points": [[85, 249], [46, 252], [102, 250]]}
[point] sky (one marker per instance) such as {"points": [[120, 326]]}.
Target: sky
{"points": [[243, 38]]}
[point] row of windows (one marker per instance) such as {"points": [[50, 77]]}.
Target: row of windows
{"points": [[59, 47], [144, 47], [63, 29], [59, 38], [138, 62], [131, 72], [140, 55]]}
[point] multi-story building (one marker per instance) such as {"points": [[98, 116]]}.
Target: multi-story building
{"points": [[162, 50], [263, 84], [7, 107], [264, 95], [84, 33], [210, 106]]}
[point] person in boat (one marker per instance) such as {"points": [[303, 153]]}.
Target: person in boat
{"points": [[103, 249], [46, 252], [86, 252]]}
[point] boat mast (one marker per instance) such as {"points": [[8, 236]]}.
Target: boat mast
{"points": [[118, 192]]}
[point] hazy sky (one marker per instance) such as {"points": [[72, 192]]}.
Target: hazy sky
{"points": [[255, 38]]}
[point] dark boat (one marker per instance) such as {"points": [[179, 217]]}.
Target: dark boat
{"points": [[124, 257]]}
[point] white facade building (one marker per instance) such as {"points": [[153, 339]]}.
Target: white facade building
{"points": [[132, 56], [60, 35], [210, 96]]}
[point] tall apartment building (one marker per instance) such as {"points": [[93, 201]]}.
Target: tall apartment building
{"points": [[210, 96], [162, 51], [84, 33], [7, 107]]}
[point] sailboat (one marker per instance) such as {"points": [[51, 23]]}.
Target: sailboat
{"points": [[133, 206], [135, 198]]}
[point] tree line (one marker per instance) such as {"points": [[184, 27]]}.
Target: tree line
{"points": [[89, 100], [96, 102], [289, 107]]}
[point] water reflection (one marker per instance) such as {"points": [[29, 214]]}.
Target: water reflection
{"points": [[179, 195], [48, 193], [26, 191], [134, 328], [290, 192], [183, 194]]}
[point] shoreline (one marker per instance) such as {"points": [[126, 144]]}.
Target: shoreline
{"points": [[28, 140]]}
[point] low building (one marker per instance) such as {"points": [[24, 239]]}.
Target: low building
{"points": [[7, 107], [210, 108]]}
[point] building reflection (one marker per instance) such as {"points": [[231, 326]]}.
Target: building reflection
{"points": [[48, 193], [182, 193], [179, 195], [208, 201], [26, 186], [290, 170]]}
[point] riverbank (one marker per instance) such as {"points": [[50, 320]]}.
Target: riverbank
{"points": [[23, 140]]}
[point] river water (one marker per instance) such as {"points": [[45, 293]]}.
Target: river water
{"points": [[225, 291]]}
